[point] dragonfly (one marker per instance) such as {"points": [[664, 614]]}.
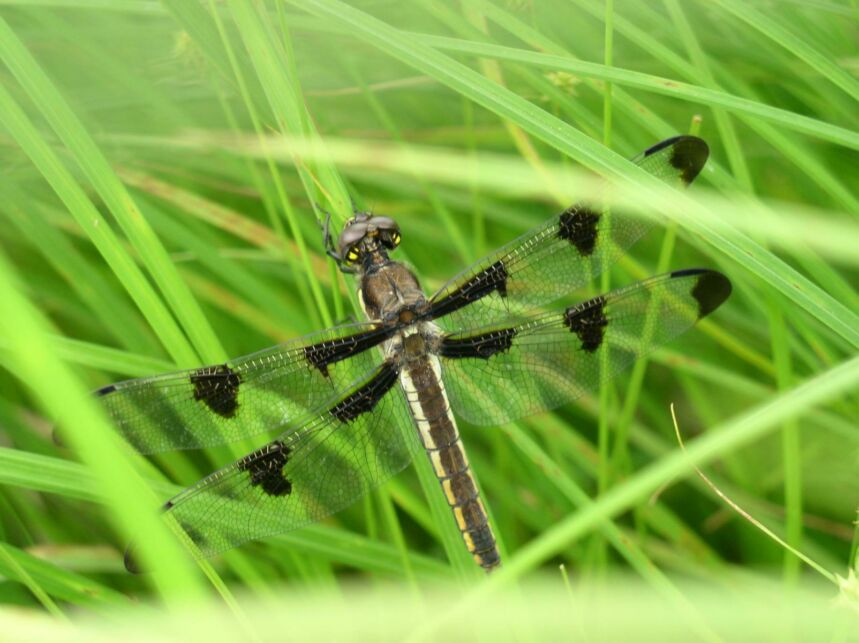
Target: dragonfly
{"points": [[354, 404]]}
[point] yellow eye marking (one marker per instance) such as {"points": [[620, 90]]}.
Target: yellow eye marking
{"points": [[352, 255], [396, 238]]}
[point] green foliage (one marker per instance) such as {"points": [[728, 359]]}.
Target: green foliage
{"points": [[166, 170]]}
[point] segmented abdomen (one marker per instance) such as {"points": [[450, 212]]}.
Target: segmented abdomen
{"points": [[436, 426]]}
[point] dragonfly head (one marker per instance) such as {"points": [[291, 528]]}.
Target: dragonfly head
{"points": [[366, 239]]}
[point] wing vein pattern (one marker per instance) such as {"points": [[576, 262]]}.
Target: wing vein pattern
{"points": [[316, 467]]}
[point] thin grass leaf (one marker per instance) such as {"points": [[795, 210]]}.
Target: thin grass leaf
{"points": [[795, 45], [668, 87], [97, 169], [60, 583], [62, 397], [89, 219]]}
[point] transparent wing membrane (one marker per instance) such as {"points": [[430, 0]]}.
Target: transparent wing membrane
{"points": [[561, 255], [496, 374], [315, 468], [243, 397], [344, 419]]}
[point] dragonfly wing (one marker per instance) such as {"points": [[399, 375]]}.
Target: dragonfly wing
{"points": [[561, 255], [498, 373], [243, 397], [312, 470]]}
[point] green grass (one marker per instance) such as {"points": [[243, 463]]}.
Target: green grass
{"points": [[166, 169]]}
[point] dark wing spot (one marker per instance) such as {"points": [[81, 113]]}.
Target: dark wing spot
{"points": [[488, 280], [711, 289], [579, 225], [689, 157], [106, 390], [481, 346], [588, 321], [329, 352], [365, 398], [265, 466], [218, 388]]}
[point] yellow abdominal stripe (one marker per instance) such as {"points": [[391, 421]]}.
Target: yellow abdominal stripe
{"points": [[469, 541], [460, 518], [448, 492], [436, 464]]}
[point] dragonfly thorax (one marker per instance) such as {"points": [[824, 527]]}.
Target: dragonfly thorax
{"points": [[390, 292]]}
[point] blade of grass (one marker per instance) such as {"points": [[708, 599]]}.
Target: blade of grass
{"points": [[71, 480], [579, 499], [606, 390], [775, 319], [17, 571], [83, 424], [795, 45], [438, 206], [124, 325], [91, 221], [295, 258], [735, 434], [709, 224], [635, 112], [750, 426], [284, 95], [97, 169], [59, 583], [668, 87], [789, 147]]}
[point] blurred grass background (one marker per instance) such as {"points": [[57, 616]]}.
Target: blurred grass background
{"points": [[165, 169]]}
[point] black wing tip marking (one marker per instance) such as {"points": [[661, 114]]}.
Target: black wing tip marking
{"points": [[218, 388], [588, 321], [579, 225], [265, 466], [689, 155], [711, 288]]}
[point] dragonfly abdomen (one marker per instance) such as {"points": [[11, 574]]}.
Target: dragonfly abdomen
{"points": [[439, 435]]}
